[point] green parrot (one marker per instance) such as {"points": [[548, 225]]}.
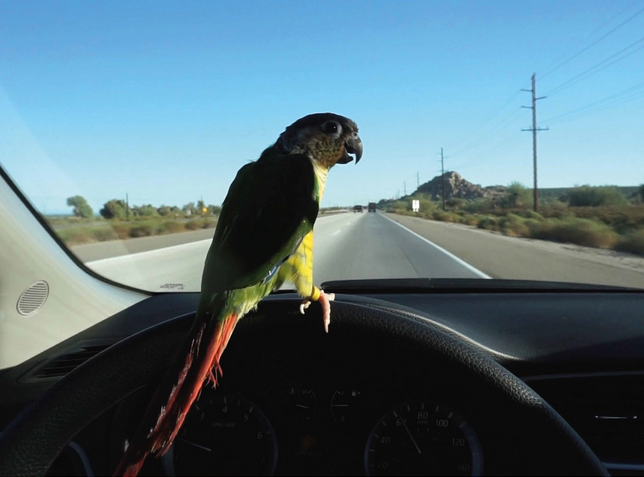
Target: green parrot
{"points": [[264, 237]]}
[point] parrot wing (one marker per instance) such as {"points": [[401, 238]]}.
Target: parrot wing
{"points": [[270, 206]]}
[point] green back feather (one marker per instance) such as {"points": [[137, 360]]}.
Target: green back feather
{"points": [[270, 206]]}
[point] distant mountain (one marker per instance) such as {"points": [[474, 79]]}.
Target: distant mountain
{"points": [[457, 187]]}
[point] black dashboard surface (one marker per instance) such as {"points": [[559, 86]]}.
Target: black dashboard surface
{"points": [[582, 351]]}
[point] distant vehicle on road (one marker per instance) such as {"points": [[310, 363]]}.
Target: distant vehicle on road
{"points": [[372, 206], [357, 208]]}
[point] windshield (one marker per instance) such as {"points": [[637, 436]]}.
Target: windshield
{"points": [[501, 139]]}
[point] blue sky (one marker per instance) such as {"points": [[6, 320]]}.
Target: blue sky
{"points": [[167, 100]]}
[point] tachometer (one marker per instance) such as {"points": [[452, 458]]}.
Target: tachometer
{"points": [[223, 434], [423, 438]]}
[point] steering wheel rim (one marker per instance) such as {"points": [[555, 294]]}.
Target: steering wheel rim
{"points": [[33, 440]]}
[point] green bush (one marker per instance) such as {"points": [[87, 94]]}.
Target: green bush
{"points": [[530, 214], [477, 205], [587, 196], [209, 224], [193, 225], [631, 243], [578, 231], [75, 236], [143, 230], [488, 223], [513, 225], [103, 234], [171, 227], [122, 231], [442, 216]]}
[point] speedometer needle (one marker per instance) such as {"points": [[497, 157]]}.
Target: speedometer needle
{"points": [[409, 433], [196, 445]]}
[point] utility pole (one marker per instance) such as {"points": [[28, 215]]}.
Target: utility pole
{"points": [[127, 207], [443, 178], [534, 130], [417, 180], [405, 187]]}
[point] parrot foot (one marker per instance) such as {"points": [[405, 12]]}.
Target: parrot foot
{"points": [[325, 300]]}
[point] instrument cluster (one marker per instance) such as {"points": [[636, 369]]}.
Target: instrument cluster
{"points": [[336, 432]]}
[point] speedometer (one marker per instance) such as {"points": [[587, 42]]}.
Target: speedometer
{"points": [[423, 438], [224, 434]]}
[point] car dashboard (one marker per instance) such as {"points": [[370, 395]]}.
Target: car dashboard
{"points": [[346, 403]]}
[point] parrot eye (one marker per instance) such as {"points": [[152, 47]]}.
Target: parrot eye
{"points": [[332, 128]]}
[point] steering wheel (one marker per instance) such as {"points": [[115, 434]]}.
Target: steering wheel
{"points": [[30, 444]]}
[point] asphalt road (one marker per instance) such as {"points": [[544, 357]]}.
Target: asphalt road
{"points": [[367, 245]]}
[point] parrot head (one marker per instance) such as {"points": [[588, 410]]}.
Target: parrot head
{"points": [[326, 138]]}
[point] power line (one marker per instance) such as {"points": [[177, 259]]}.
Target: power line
{"points": [[603, 107], [636, 14], [612, 97], [596, 69], [479, 133]]}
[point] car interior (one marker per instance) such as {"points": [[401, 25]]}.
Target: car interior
{"points": [[501, 377]]}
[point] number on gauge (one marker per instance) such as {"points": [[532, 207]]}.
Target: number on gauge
{"points": [[423, 438]]}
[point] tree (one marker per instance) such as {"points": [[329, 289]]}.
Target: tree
{"points": [[201, 207], [189, 208], [81, 207], [517, 195], [144, 211], [113, 209], [164, 210], [641, 191]]}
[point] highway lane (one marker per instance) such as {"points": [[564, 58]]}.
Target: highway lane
{"points": [[346, 246]]}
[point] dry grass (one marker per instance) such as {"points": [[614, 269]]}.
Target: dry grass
{"points": [[78, 233], [632, 243]]}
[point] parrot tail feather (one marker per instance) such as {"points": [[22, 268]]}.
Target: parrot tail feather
{"points": [[191, 389], [200, 365]]}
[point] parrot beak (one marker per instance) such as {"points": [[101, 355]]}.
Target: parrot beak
{"points": [[353, 145]]}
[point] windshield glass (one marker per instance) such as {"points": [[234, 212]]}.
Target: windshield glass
{"points": [[501, 139]]}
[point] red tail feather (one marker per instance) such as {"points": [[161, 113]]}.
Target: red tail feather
{"points": [[188, 385]]}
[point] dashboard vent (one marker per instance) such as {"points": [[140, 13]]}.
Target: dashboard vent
{"points": [[607, 411], [64, 364], [33, 298]]}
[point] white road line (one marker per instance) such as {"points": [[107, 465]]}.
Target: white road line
{"points": [[441, 249]]}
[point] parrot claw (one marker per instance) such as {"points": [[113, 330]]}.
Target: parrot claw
{"points": [[304, 305], [325, 301]]}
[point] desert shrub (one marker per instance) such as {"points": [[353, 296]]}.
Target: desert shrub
{"points": [[193, 225], [516, 196], [578, 231], [442, 216], [455, 203], [143, 230], [75, 236], [103, 234], [477, 205], [631, 243], [488, 223], [530, 214], [513, 225], [426, 205], [587, 196], [171, 227], [208, 224], [122, 231]]}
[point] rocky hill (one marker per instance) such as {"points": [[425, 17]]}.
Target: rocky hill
{"points": [[457, 187]]}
